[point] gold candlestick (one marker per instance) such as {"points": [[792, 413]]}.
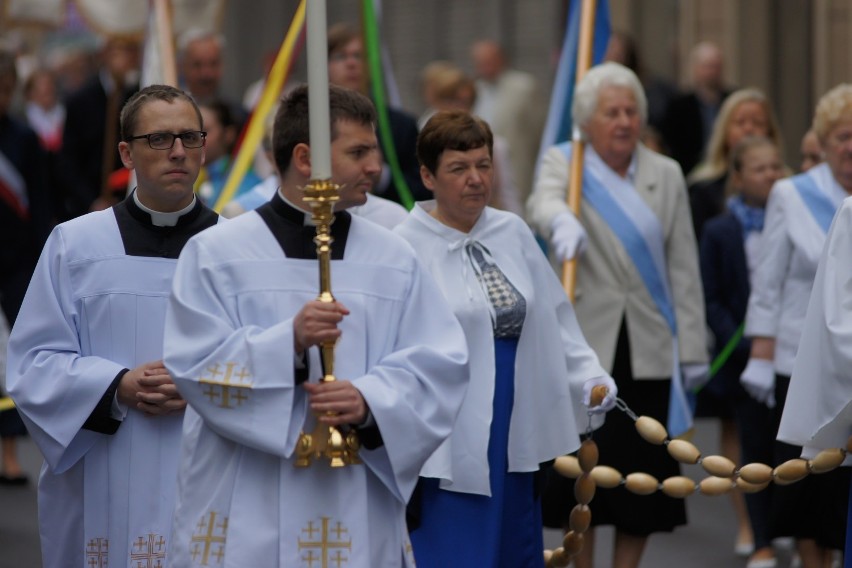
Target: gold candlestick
{"points": [[325, 441]]}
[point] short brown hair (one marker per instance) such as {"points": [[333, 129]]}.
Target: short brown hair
{"points": [[130, 111], [341, 34], [292, 125], [452, 130]]}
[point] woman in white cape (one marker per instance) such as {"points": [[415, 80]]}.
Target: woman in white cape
{"points": [[478, 502]]}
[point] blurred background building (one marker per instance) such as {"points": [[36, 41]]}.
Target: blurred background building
{"points": [[794, 50]]}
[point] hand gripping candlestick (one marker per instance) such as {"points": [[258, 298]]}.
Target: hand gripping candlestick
{"points": [[325, 441], [321, 194]]}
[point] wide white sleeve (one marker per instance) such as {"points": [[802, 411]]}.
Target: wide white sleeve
{"points": [[239, 378], [818, 408], [416, 390], [55, 386], [547, 199], [581, 360], [764, 303]]}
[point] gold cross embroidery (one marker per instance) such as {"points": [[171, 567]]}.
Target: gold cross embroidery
{"points": [[97, 553], [221, 390], [206, 537], [148, 552], [325, 545]]}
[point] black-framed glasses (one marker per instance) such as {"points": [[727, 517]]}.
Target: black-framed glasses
{"points": [[166, 140]]}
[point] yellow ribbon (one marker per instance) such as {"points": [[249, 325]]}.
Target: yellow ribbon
{"points": [[6, 403], [257, 123]]}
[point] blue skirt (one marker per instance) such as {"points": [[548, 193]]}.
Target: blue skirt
{"points": [[501, 531]]}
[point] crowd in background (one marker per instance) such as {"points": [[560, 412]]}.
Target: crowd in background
{"points": [[59, 129]]}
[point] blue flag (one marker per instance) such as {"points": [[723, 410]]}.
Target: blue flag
{"points": [[558, 126]]}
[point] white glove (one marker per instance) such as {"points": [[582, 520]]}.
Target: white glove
{"points": [[758, 379], [608, 403], [568, 236], [695, 375]]}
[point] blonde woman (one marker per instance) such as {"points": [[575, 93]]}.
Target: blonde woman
{"points": [[746, 112]]}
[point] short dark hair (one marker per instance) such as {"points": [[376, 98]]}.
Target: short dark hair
{"points": [[222, 110], [340, 35], [452, 130], [291, 122], [130, 111]]}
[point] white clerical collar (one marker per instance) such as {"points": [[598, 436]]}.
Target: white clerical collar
{"points": [[309, 221], [160, 219]]}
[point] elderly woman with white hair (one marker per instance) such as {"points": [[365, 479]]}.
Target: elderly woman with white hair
{"points": [[638, 296]]}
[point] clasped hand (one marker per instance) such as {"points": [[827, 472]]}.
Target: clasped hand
{"points": [[150, 388]]}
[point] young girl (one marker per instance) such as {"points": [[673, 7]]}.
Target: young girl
{"points": [[728, 253]]}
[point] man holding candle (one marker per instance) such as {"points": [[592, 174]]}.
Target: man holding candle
{"points": [[241, 340]]}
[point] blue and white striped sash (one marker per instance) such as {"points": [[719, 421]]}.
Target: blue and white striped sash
{"points": [[640, 233], [818, 203]]}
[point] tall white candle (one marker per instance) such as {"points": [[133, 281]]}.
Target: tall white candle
{"points": [[320, 125]]}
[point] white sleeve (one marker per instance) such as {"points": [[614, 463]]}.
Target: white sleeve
{"points": [[771, 271], [55, 387], [206, 350]]}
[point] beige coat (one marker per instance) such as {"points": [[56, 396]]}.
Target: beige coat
{"points": [[609, 288]]}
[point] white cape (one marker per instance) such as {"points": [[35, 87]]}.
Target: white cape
{"points": [[818, 412], [241, 501], [553, 359]]}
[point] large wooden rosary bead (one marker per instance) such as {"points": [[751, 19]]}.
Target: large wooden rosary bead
{"points": [[584, 489], [606, 476], [748, 487], [678, 486], [791, 471], [641, 483], [651, 430], [756, 473], [567, 466], [573, 542], [719, 466], [715, 485], [560, 557], [588, 455], [597, 396], [827, 460], [580, 519], [683, 451]]}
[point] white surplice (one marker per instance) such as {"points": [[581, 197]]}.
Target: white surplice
{"points": [[553, 359], [818, 411], [241, 501], [91, 311]]}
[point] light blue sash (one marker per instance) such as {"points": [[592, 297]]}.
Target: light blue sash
{"points": [[639, 231], [820, 206]]}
